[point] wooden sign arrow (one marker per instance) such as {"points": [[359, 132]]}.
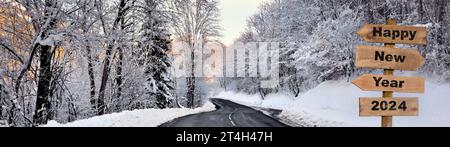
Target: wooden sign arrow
{"points": [[375, 33], [388, 58], [388, 107], [371, 82]]}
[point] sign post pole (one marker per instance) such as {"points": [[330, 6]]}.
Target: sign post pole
{"points": [[386, 121]]}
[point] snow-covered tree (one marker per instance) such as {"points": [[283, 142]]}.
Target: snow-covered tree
{"points": [[115, 31], [193, 22], [328, 55], [58, 58], [154, 47]]}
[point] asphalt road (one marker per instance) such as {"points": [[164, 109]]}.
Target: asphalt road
{"points": [[228, 114]]}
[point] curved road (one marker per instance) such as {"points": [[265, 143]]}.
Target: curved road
{"points": [[228, 114]]}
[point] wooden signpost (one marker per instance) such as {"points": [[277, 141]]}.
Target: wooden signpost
{"points": [[393, 34], [371, 82], [389, 106], [390, 58]]}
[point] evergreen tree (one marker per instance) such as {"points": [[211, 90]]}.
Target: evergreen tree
{"points": [[155, 44]]}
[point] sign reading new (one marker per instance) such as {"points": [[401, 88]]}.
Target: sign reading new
{"points": [[388, 58]]}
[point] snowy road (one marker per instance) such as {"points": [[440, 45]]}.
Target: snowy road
{"points": [[228, 114]]}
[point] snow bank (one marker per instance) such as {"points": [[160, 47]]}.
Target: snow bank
{"points": [[3, 123], [336, 103], [137, 118]]}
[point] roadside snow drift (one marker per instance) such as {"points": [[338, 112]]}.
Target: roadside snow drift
{"points": [[137, 118], [336, 103]]}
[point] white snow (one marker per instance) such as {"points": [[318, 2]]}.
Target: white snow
{"points": [[3, 123], [428, 25], [335, 103], [51, 40], [137, 118]]}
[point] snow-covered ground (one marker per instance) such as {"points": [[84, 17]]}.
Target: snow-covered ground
{"points": [[336, 103], [137, 118]]}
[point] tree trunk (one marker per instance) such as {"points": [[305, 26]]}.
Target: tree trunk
{"points": [[420, 11], [106, 67], [441, 4], [190, 81], [1, 101], [91, 78], [90, 61], [119, 66], [105, 76], [191, 91], [119, 78], [369, 11], [43, 104]]}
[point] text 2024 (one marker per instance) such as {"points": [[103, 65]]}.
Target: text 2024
{"points": [[388, 106]]}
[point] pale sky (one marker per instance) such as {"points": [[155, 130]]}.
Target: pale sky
{"points": [[234, 14]]}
